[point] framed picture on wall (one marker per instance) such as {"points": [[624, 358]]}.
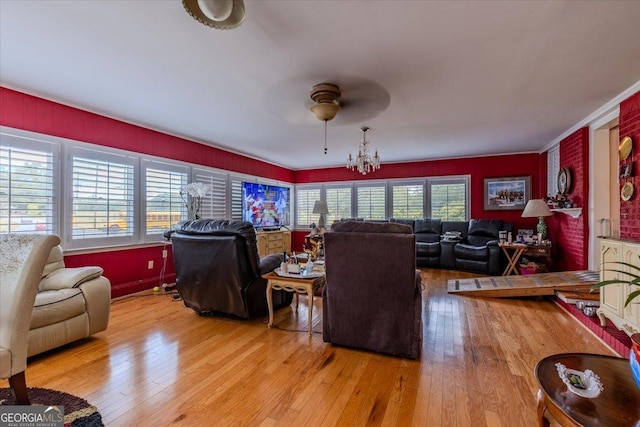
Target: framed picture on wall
{"points": [[506, 193], [626, 170]]}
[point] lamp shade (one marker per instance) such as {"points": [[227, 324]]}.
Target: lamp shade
{"points": [[536, 208], [320, 207]]}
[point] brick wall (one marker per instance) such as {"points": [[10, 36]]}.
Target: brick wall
{"points": [[630, 126], [570, 235]]}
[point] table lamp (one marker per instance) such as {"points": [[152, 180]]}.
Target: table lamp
{"points": [[538, 208], [320, 207]]}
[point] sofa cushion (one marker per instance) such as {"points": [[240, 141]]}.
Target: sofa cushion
{"points": [[54, 262], [471, 252], [427, 226], [424, 249], [57, 306], [69, 278]]}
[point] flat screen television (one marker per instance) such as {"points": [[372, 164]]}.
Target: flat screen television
{"points": [[265, 206]]}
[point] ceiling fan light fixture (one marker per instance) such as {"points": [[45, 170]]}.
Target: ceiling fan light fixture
{"points": [[325, 111], [219, 14], [327, 101]]}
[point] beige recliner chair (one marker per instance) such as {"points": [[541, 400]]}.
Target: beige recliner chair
{"points": [[71, 304], [22, 258]]}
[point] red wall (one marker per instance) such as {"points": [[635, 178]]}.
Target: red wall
{"points": [[570, 235], [126, 269], [630, 126], [478, 167]]}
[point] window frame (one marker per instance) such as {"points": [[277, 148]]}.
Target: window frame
{"points": [[457, 179]]}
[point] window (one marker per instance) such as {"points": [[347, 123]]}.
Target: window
{"points": [[305, 199], [214, 206], [338, 203], [164, 206], [449, 198], [553, 169], [407, 200], [236, 198], [102, 197], [371, 201], [27, 182]]}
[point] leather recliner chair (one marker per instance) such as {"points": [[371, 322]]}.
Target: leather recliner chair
{"points": [[373, 295], [218, 270], [480, 251]]}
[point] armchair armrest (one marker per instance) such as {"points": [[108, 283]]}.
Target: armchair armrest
{"points": [[69, 278], [269, 263]]}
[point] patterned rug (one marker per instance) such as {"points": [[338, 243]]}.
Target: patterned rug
{"points": [[77, 411]]}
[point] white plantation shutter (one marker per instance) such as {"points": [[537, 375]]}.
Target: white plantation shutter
{"points": [[338, 203], [214, 206], [407, 200], [236, 198], [305, 199], [553, 169], [449, 198], [102, 196], [27, 183], [371, 201], [164, 206]]}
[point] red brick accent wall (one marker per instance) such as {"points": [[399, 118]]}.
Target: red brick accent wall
{"points": [[570, 235], [630, 126]]}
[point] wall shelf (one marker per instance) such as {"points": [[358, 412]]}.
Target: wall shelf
{"points": [[572, 212]]}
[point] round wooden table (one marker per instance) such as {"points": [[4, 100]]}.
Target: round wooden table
{"points": [[617, 405]]}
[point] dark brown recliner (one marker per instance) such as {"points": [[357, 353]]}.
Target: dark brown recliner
{"points": [[218, 270], [373, 294]]}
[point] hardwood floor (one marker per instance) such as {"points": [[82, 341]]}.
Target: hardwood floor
{"points": [[159, 364]]}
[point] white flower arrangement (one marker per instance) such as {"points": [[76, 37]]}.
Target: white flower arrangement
{"points": [[192, 195]]}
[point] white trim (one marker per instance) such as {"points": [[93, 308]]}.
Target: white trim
{"points": [[596, 115]]}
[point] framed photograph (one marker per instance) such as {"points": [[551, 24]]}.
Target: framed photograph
{"points": [[506, 193], [626, 170]]}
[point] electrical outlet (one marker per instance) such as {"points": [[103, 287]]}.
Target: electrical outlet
{"points": [[150, 265], [164, 253]]}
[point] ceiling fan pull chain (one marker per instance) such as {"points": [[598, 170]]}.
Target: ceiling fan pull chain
{"points": [[325, 137]]}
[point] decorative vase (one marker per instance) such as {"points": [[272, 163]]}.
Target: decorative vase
{"points": [[634, 358]]}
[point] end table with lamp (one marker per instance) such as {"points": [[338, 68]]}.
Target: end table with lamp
{"points": [[538, 208]]}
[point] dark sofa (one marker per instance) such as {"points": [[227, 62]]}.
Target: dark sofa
{"points": [[477, 249]]}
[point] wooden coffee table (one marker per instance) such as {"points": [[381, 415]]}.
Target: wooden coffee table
{"points": [[617, 405], [292, 284]]}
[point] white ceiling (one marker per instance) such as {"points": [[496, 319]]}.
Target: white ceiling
{"points": [[460, 78]]}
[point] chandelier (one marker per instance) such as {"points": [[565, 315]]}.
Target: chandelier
{"points": [[364, 163]]}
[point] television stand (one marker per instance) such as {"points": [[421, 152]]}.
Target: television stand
{"points": [[273, 242]]}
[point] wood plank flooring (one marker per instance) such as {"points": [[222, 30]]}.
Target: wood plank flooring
{"points": [[161, 364]]}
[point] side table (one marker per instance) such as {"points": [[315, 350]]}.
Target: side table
{"points": [[618, 405], [513, 252], [292, 284]]}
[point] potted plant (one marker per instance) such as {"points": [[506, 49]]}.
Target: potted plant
{"points": [[631, 278]]}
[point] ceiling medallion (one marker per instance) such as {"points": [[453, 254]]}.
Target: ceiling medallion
{"points": [[363, 162], [219, 14]]}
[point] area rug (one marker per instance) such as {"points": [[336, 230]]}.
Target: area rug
{"points": [[77, 411]]}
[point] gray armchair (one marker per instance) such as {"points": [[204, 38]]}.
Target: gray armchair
{"points": [[373, 293]]}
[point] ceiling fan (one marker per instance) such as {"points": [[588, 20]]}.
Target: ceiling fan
{"points": [[341, 99]]}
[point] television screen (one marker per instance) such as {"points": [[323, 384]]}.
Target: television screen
{"points": [[265, 205]]}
